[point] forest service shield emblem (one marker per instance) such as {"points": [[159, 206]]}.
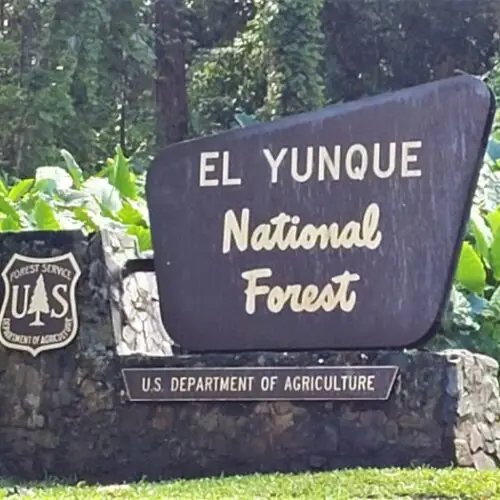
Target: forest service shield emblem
{"points": [[39, 306]]}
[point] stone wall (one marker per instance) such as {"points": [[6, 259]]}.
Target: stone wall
{"points": [[65, 412]]}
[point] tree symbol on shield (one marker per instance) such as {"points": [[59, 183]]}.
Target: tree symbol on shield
{"points": [[39, 303]]}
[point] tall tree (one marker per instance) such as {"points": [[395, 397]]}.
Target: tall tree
{"points": [[294, 44], [170, 84], [213, 23]]}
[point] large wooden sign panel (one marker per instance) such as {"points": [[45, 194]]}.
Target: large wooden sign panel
{"points": [[333, 229]]}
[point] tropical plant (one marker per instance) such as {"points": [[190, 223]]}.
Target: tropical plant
{"points": [[59, 198], [472, 319]]}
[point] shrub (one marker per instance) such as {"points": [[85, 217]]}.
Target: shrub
{"points": [[63, 198]]}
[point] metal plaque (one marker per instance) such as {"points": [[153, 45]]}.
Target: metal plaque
{"points": [[259, 383]]}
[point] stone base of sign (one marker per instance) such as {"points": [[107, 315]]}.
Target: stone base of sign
{"points": [[65, 413]]}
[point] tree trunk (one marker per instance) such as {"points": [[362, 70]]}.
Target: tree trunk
{"points": [[170, 84]]}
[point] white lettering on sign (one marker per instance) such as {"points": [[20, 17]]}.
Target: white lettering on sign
{"points": [[329, 383], [323, 163], [290, 232], [299, 298], [274, 163], [208, 167], [283, 232], [231, 383], [410, 158]]}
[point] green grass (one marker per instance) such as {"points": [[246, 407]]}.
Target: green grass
{"points": [[422, 483]]}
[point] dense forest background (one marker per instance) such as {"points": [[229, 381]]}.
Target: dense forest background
{"points": [[88, 75]]}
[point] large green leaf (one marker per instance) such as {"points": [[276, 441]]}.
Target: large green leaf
{"points": [[493, 219], [20, 189], [8, 208], [45, 216], [495, 255], [73, 168], [131, 216], [73, 198], [106, 195], [27, 204], [142, 207], [10, 224], [57, 175], [106, 213], [120, 176], [66, 218], [3, 188], [46, 186], [83, 216], [470, 270], [143, 236], [482, 234]]}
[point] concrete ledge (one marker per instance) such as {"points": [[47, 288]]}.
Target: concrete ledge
{"points": [[65, 412]]}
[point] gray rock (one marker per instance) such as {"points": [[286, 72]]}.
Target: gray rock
{"points": [[489, 447], [463, 453], [486, 431], [482, 461], [490, 416], [454, 385]]}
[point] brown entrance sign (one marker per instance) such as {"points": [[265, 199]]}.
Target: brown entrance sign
{"points": [[333, 229], [256, 384]]}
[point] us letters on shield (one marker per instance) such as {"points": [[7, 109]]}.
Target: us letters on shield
{"points": [[39, 310]]}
